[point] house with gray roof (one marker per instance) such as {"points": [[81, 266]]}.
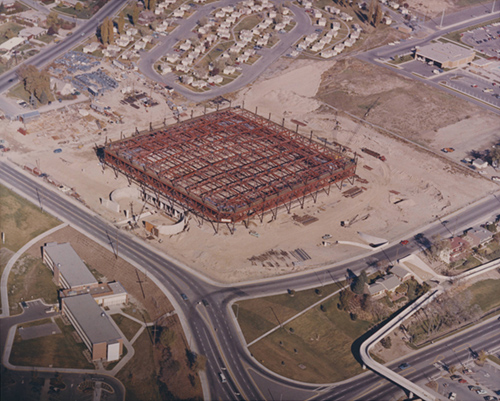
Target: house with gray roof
{"points": [[385, 284]]}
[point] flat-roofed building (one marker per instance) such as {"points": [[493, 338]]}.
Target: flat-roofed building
{"points": [[445, 55], [94, 327], [69, 270], [105, 294]]}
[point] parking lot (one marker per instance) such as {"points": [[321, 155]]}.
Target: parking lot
{"points": [[475, 86], [485, 39], [423, 69], [487, 378]]}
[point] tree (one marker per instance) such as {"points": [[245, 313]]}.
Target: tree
{"points": [[9, 34], [379, 14], [345, 298], [371, 11], [359, 284], [78, 6], [135, 14], [36, 83], [121, 23], [203, 21], [495, 155], [53, 19], [43, 97], [481, 358], [104, 31], [386, 342], [111, 32]]}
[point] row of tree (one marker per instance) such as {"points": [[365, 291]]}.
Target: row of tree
{"points": [[36, 83]]}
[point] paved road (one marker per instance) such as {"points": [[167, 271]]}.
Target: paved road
{"points": [[36, 311], [379, 55], [212, 329], [55, 50], [249, 72]]}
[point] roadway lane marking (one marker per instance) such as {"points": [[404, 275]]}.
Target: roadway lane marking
{"points": [[408, 371], [373, 388], [437, 359], [226, 365], [462, 347], [253, 381]]}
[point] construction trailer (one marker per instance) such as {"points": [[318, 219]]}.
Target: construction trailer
{"points": [[229, 165]]}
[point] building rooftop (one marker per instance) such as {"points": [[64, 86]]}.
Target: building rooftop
{"points": [[443, 52], [96, 290], [91, 319], [399, 272], [69, 264]]}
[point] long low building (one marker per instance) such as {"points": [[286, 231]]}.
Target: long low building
{"points": [[93, 326], [445, 55], [69, 270]]}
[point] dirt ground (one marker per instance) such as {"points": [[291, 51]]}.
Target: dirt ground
{"points": [[399, 195]]}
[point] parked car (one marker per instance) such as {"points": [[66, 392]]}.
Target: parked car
{"points": [[463, 381], [452, 396], [455, 377], [404, 242]]}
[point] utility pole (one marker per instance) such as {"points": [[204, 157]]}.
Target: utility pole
{"points": [[493, 6], [442, 17]]}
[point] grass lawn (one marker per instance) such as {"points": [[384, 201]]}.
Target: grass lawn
{"points": [[21, 220], [127, 326], [15, 28], [58, 350], [318, 350], [246, 23], [257, 316], [18, 91], [494, 359], [30, 279], [485, 294], [137, 312], [36, 323], [139, 376], [216, 51], [46, 38]]}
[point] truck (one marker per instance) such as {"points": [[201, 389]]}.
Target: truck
{"points": [[374, 154]]}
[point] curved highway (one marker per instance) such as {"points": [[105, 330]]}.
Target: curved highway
{"points": [[210, 329]]}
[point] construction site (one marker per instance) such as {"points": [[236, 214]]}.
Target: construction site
{"points": [[229, 166]]}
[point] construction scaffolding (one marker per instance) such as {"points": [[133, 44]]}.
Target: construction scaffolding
{"points": [[230, 165]]}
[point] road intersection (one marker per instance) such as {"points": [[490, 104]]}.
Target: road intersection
{"points": [[211, 330]]}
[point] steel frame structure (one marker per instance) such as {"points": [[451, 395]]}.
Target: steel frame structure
{"points": [[230, 165]]}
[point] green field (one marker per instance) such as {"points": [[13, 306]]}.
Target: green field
{"points": [[127, 326], [257, 316], [15, 28], [486, 294], [319, 348], [138, 376], [21, 220], [30, 279], [58, 350]]}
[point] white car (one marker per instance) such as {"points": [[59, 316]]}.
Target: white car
{"points": [[452, 396]]}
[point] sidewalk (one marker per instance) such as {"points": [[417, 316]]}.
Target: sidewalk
{"points": [[5, 275]]}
